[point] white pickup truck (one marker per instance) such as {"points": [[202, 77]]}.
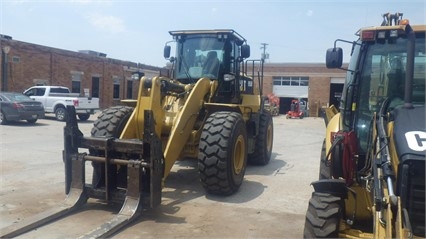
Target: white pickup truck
{"points": [[56, 98]]}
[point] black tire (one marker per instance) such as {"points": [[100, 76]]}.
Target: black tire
{"points": [[110, 123], [264, 141], [3, 120], [325, 170], [323, 216], [222, 157], [61, 113], [32, 121], [83, 117]]}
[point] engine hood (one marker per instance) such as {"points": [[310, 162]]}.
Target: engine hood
{"points": [[410, 133]]}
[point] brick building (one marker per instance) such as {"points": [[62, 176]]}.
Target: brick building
{"points": [[24, 65], [87, 72], [311, 82]]}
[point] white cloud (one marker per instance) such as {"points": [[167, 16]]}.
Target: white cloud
{"points": [[107, 23], [309, 13]]}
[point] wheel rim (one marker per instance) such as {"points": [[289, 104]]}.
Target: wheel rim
{"points": [[239, 149], [60, 114]]}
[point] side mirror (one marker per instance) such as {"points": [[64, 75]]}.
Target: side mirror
{"points": [[166, 52], [334, 58], [245, 51]]}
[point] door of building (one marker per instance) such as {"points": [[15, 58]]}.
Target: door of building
{"points": [[95, 87]]}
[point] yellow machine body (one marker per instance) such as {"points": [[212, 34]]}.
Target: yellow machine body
{"points": [[372, 169]]}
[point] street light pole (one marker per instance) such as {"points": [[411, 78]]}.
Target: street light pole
{"points": [[5, 51]]}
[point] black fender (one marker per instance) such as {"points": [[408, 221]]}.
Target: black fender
{"points": [[336, 187]]}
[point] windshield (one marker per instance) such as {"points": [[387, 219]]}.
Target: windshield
{"points": [[383, 76], [15, 97], [199, 57]]}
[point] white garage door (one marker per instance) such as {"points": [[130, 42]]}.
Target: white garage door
{"points": [[291, 91], [337, 80]]}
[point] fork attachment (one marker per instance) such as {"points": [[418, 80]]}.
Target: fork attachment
{"points": [[145, 169], [76, 195]]}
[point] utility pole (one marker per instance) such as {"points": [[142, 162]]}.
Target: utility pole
{"points": [[4, 54], [264, 56]]}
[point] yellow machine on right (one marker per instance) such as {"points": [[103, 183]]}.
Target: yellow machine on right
{"points": [[372, 168]]}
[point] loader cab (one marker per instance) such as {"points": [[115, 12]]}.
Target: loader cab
{"points": [[378, 71], [214, 54]]}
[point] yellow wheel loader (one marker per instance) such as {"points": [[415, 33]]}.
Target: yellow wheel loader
{"points": [[372, 169], [207, 109]]}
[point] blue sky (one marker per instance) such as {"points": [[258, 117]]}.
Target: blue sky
{"points": [[136, 30]]}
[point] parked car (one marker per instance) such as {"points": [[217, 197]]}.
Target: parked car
{"points": [[17, 106], [56, 98]]}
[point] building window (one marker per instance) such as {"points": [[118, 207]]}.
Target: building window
{"points": [[286, 80], [304, 81], [277, 81], [291, 80], [295, 81], [116, 88], [16, 59], [76, 82]]}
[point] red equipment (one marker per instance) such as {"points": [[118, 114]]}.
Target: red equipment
{"points": [[295, 111]]}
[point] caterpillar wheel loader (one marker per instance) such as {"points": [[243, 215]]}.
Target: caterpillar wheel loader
{"points": [[372, 168], [207, 109]]}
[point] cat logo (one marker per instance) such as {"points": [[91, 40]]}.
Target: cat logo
{"points": [[416, 140]]}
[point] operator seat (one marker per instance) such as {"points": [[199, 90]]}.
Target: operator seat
{"points": [[211, 65], [396, 84]]}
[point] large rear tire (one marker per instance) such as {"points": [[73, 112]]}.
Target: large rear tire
{"points": [[323, 216], [264, 141], [222, 157], [110, 123]]}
